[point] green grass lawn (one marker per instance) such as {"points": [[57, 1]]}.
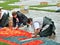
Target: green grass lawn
{"points": [[43, 10], [3, 43], [8, 7], [42, 5]]}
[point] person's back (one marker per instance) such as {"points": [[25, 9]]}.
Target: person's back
{"points": [[47, 28], [4, 18], [22, 17], [46, 25], [38, 19], [19, 19]]}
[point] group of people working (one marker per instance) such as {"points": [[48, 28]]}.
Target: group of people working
{"points": [[18, 20]]}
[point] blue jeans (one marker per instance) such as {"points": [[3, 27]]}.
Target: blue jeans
{"points": [[18, 24], [0, 26]]}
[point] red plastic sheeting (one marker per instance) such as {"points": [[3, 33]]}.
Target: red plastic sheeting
{"points": [[8, 42], [36, 42], [8, 32], [21, 39]]}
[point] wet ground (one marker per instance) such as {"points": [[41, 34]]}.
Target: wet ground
{"points": [[53, 15]]}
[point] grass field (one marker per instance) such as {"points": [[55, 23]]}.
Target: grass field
{"points": [[3, 43], [8, 7], [42, 5], [48, 10]]}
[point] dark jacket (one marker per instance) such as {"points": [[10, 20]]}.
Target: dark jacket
{"points": [[22, 19], [4, 20], [50, 29]]}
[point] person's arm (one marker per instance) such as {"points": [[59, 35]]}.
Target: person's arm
{"points": [[37, 28]]}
